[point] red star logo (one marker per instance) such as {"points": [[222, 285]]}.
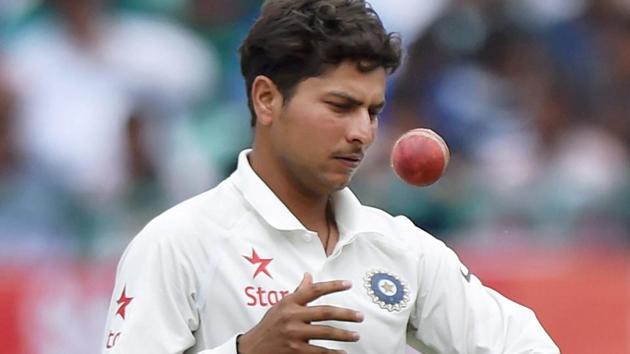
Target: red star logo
{"points": [[262, 263], [123, 301]]}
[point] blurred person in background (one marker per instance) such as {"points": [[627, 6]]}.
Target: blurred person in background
{"points": [[82, 72], [38, 217]]}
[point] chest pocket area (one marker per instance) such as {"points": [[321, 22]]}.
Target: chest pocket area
{"points": [[388, 297], [386, 301]]}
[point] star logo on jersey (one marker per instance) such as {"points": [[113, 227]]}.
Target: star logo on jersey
{"points": [[262, 263], [387, 290], [123, 301]]}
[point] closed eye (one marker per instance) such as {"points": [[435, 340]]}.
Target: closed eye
{"points": [[340, 107], [375, 113], [346, 108]]}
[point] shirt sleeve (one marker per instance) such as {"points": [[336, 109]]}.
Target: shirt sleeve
{"points": [[228, 347], [154, 304], [455, 313]]}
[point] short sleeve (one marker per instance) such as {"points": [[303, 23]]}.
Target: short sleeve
{"points": [[456, 313], [153, 307]]}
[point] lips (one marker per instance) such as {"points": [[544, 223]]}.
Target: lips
{"points": [[350, 160]]}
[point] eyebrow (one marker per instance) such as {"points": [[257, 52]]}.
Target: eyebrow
{"points": [[355, 102]]}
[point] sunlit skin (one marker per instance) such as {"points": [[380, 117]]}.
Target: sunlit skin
{"points": [[309, 146]]}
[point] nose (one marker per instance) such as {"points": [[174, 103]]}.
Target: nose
{"points": [[362, 128]]}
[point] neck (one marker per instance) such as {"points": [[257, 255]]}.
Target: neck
{"points": [[307, 206], [312, 209]]}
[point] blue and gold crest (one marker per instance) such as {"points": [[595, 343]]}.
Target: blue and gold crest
{"points": [[387, 290]]}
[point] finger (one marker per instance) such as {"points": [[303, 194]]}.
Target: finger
{"points": [[307, 279], [326, 332], [309, 292], [331, 313], [305, 348]]}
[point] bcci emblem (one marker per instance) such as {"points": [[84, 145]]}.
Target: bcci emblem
{"points": [[386, 290]]}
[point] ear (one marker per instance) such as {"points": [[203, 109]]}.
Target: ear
{"points": [[266, 98]]}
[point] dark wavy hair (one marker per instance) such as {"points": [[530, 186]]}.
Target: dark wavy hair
{"points": [[293, 40]]}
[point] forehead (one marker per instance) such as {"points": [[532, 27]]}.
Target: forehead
{"points": [[347, 78]]}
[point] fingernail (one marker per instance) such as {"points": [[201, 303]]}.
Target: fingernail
{"points": [[347, 283], [359, 316], [355, 335]]}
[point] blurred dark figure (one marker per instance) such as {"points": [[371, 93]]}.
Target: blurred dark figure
{"points": [[614, 34], [80, 17], [145, 194], [8, 153], [38, 218], [612, 19]]}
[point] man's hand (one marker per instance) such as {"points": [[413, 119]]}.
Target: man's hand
{"points": [[287, 327]]}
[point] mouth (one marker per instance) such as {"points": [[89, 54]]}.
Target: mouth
{"points": [[351, 161]]}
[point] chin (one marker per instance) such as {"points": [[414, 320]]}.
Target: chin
{"points": [[340, 184], [334, 182]]}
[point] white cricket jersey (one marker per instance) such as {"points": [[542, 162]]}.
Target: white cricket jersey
{"points": [[210, 268]]}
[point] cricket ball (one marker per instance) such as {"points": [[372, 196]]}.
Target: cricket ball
{"points": [[419, 157]]}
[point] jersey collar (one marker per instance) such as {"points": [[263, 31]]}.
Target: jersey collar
{"points": [[262, 198], [352, 217], [349, 213]]}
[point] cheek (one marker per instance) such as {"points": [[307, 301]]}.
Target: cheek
{"points": [[320, 125], [313, 129], [374, 130]]}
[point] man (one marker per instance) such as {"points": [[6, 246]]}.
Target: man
{"points": [[281, 257]]}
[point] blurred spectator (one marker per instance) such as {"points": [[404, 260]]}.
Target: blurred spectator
{"points": [[96, 66], [38, 218], [81, 74]]}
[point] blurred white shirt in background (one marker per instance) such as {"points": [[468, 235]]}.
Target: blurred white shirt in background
{"points": [[74, 100]]}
